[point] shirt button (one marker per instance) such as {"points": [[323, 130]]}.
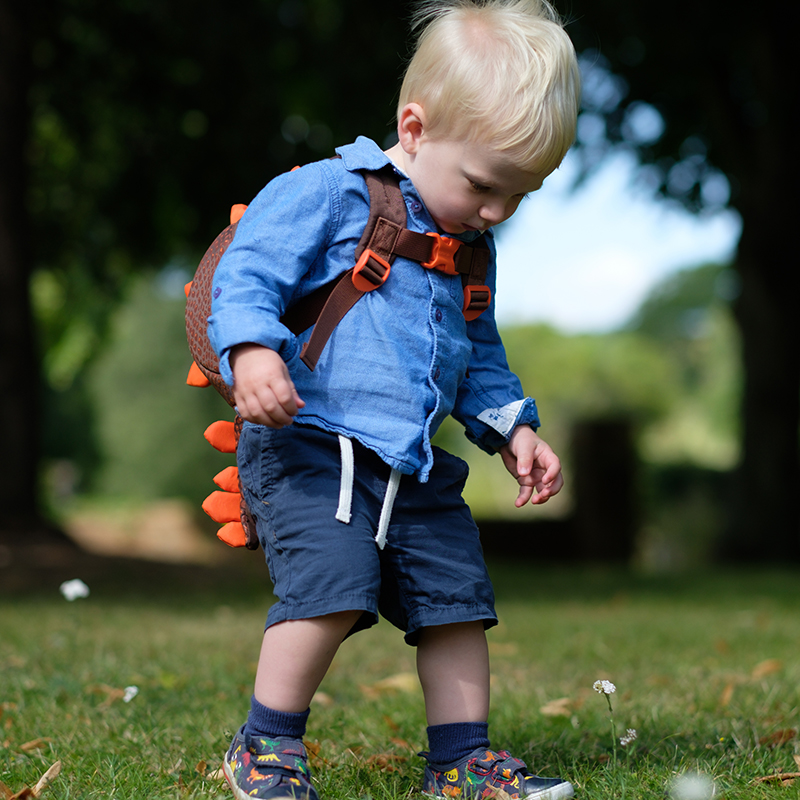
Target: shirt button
{"points": [[415, 206], [439, 314]]}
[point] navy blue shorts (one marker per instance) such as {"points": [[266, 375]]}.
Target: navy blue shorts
{"points": [[431, 571]]}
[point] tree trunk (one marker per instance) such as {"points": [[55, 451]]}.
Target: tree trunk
{"points": [[765, 523], [19, 377]]}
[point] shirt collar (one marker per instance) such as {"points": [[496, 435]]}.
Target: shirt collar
{"points": [[362, 154]]}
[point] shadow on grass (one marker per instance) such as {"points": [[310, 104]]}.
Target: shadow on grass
{"points": [[38, 570], [526, 580]]}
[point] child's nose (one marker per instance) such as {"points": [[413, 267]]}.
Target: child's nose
{"points": [[494, 213]]}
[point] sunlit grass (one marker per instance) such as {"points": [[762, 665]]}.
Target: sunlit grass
{"points": [[707, 670]]}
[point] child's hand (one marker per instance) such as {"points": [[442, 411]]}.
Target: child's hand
{"points": [[534, 465], [263, 391]]}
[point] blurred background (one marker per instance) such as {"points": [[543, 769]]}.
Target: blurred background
{"points": [[647, 294]]}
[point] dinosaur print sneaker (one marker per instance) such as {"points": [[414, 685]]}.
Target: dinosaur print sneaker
{"points": [[486, 774], [268, 769]]}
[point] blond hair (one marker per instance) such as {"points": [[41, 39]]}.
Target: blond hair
{"points": [[503, 72]]}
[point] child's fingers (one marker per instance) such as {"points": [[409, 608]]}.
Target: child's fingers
{"points": [[525, 495], [264, 407]]}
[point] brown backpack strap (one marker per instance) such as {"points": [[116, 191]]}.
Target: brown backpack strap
{"points": [[385, 237], [374, 256]]}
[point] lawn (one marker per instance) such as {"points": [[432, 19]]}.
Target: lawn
{"points": [[706, 668]]}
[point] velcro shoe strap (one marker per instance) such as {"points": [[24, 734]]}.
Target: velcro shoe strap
{"points": [[500, 762]]}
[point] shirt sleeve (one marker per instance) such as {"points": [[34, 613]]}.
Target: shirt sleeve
{"points": [[490, 402], [274, 251]]}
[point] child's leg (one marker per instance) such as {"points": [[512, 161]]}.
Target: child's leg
{"points": [[453, 667], [295, 655]]}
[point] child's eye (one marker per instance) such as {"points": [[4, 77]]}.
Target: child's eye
{"points": [[477, 187]]}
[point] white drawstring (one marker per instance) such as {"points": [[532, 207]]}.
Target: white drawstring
{"points": [[344, 511], [346, 482], [388, 505]]}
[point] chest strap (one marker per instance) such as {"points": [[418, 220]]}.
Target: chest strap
{"points": [[385, 237]]}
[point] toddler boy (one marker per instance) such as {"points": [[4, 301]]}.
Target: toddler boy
{"points": [[357, 513]]}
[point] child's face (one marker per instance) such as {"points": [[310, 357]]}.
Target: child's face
{"points": [[468, 186]]}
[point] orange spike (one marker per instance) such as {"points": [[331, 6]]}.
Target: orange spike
{"points": [[228, 479], [221, 435], [196, 377], [237, 211], [187, 288], [223, 506], [232, 534]]}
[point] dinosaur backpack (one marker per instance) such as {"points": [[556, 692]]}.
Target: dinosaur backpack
{"points": [[385, 236]]}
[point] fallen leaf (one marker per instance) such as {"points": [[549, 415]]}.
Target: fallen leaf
{"points": [[217, 775], [785, 778], [111, 694], [391, 723], [314, 757], [562, 707], [797, 760], [768, 667], [727, 695], [313, 748], [47, 779], [37, 790], [5, 792], [401, 743], [200, 768], [402, 682], [385, 761], [777, 738], [35, 744]]}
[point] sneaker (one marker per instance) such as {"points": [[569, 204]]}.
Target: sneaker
{"points": [[268, 768], [485, 774]]}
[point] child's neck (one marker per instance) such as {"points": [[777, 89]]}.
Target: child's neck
{"points": [[397, 156]]}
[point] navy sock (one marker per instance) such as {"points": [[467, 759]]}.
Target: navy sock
{"points": [[264, 721], [448, 743]]}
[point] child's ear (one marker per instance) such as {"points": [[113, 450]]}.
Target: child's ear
{"points": [[411, 127]]}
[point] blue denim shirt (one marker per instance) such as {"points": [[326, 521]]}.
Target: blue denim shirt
{"points": [[403, 358]]}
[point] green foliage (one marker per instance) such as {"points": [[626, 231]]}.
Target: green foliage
{"points": [[149, 424], [689, 317], [573, 379], [148, 121], [723, 704]]}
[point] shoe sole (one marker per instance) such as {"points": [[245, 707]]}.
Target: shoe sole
{"points": [[226, 771], [560, 792]]}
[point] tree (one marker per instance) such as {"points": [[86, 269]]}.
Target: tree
{"points": [[141, 122], [128, 131], [720, 78], [18, 383]]}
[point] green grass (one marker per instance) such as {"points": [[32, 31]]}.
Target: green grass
{"points": [[707, 670]]}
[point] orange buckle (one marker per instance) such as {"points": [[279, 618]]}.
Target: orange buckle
{"points": [[476, 301], [442, 254], [370, 272]]}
